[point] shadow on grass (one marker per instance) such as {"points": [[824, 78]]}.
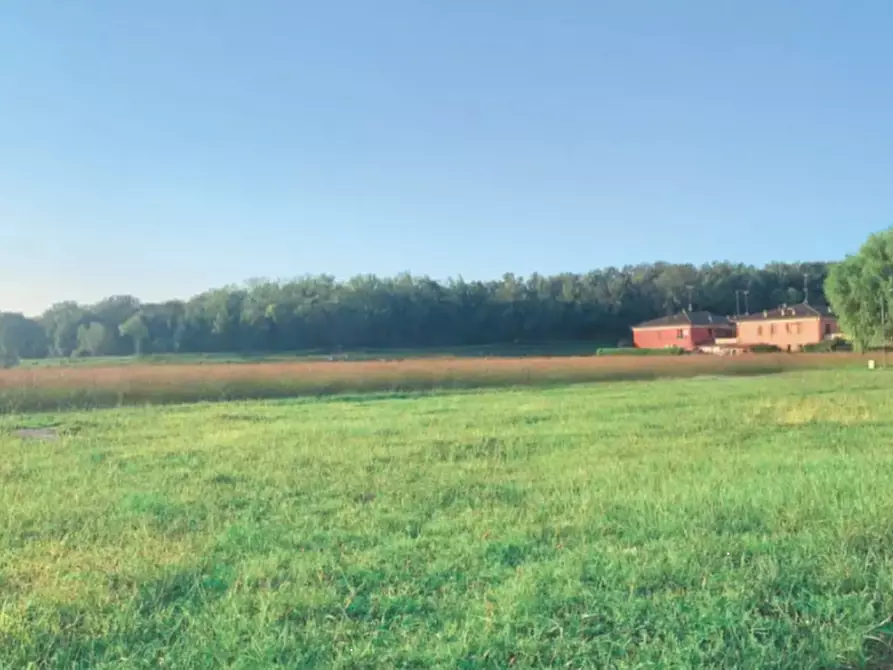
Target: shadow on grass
{"points": [[877, 654]]}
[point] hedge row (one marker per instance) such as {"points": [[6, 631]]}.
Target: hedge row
{"points": [[634, 351], [828, 346]]}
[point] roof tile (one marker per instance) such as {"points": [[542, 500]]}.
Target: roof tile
{"points": [[799, 311], [686, 318]]}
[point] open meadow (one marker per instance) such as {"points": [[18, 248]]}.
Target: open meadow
{"points": [[734, 522]]}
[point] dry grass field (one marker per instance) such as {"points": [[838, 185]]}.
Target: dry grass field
{"points": [[45, 388]]}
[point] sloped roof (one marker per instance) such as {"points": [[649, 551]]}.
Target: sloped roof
{"points": [[799, 311], [686, 318]]}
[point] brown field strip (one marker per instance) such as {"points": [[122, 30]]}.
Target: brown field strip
{"points": [[25, 389]]}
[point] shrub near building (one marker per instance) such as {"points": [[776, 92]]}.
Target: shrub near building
{"points": [[636, 351]]}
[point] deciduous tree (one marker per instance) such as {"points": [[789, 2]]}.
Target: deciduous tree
{"points": [[93, 339], [135, 328], [860, 291]]}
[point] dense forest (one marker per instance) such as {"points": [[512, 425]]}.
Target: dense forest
{"points": [[405, 311]]}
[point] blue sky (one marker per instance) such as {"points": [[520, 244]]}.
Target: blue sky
{"points": [[161, 148]]}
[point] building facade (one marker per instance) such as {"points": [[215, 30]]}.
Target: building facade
{"points": [[790, 328], [686, 330]]}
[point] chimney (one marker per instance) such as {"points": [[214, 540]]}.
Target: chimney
{"points": [[709, 318], [765, 314]]}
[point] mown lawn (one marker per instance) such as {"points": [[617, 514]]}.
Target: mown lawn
{"points": [[707, 522]]}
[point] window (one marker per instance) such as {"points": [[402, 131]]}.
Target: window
{"points": [[772, 329], [799, 328], [759, 330], [679, 334], [710, 332], [827, 329], [787, 328]]}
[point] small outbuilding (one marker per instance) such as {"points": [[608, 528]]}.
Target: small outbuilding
{"points": [[686, 330]]}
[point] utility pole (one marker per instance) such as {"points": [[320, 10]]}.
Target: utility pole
{"points": [[746, 307], [737, 302]]}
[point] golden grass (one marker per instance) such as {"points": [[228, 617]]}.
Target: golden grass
{"points": [[48, 388]]}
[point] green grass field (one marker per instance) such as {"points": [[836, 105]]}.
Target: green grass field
{"points": [[724, 522]]}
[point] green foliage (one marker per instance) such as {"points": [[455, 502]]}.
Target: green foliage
{"points": [[636, 351], [135, 328], [764, 349], [93, 339], [61, 323], [21, 337], [730, 523], [860, 289], [405, 312], [827, 346]]}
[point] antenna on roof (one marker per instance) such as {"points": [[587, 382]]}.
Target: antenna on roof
{"points": [[805, 288]]}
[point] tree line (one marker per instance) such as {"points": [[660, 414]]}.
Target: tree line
{"points": [[320, 313]]}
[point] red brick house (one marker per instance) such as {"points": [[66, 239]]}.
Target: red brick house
{"points": [[789, 327], [686, 330]]}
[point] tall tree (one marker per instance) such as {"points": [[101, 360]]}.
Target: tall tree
{"points": [[135, 328], [860, 290], [93, 339], [61, 323], [21, 337]]}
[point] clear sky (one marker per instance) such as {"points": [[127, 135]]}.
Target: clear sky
{"points": [[163, 147]]}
